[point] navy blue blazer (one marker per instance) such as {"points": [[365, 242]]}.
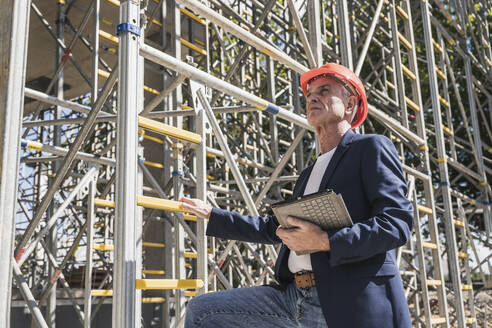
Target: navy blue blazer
{"points": [[358, 282]]}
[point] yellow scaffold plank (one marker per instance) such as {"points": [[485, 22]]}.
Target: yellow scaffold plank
{"points": [[103, 247], [411, 104], [458, 223], [153, 271], [153, 299], [440, 73], [190, 255], [155, 245], [102, 292], [159, 284], [189, 293], [427, 244], [169, 130], [466, 287], [114, 2], [408, 72], [443, 101], [436, 45], [193, 47], [462, 255], [105, 74], [189, 217], [433, 282], [103, 202], [108, 36], [469, 321], [192, 15], [404, 41], [391, 85], [401, 12], [159, 203], [389, 68], [438, 321], [154, 164], [489, 62], [424, 209], [447, 130]]}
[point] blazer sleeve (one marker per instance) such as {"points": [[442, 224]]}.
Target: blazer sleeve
{"points": [[232, 225], [391, 213], [256, 229]]}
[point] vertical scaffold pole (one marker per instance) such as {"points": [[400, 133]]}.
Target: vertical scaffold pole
{"points": [[125, 300], [14, 25], [443, 170]]}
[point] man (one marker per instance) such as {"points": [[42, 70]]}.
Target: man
{"points": [[351, 280]]}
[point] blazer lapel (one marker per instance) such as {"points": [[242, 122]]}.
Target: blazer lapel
{"points": [[337, 156], [303, 182]]}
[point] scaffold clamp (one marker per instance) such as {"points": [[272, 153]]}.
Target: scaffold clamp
{"points": [[127, 27]]}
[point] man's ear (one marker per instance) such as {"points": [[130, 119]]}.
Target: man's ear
{"points": [[351, 104]]}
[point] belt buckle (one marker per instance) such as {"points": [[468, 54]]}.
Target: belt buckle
{"points": [[304, 279]]}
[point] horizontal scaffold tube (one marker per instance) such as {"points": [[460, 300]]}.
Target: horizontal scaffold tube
{"points": [[265, 47], [196, 74]]}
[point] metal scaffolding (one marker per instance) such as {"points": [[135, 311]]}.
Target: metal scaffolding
{"points": [[112, 116]]}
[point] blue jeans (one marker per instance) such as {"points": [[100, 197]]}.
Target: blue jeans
{"points": [[260, 306]]}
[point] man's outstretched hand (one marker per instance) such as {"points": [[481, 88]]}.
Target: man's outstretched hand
{"points": [[306, 237], [197, 207]]}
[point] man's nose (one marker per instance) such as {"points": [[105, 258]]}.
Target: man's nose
{"points": [[313, 97]]}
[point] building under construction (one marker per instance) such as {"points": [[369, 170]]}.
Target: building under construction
{"points": [[111, 111]]}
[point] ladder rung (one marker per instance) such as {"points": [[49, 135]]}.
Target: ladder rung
{"points": [[466, 287], [424, 209], [108, 36], [168, 283], [401, 12], [433, 282], [103, 247], [189, 217], [391, 85], [436, 45], [153, 271], [103, 202], [190, 255], [462, 255], [411, 104], [189, 293], [427, 244], [105, 74], [408, 72], [153, 299], [447, 130], [440, 73], [438, 321], [192, 16], [458, 223], [404, 41], [443, 101], [154, 164], [149, 244], [102, 292], [159, 203], [193, 47], [165, 129], [151, 90], [489, 62]]}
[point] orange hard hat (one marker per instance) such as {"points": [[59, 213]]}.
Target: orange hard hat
{"points": [[346, 77]]}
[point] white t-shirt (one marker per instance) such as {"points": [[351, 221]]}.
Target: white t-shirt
{"points": [[303, 262]]}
